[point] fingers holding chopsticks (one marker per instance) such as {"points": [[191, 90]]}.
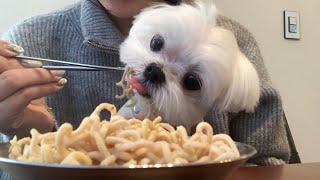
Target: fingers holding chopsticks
{"points": [[13, 80], [9, 50], [20, 87], [7, 63], [17, 96], [20, 99], [7, 54]]}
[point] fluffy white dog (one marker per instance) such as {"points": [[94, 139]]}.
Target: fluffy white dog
{"points": [[184, 65]]}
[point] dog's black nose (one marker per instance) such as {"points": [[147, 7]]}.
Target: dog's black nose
{"points": [[154, 74]]}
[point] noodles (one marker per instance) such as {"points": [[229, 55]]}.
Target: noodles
{"points": [[129, 93], [126, 87], [123, 142]]}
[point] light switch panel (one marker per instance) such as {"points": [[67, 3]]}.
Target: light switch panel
{"points": [[291, 25]]}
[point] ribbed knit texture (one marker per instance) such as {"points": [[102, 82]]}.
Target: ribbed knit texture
{"points": [[84, 33]]}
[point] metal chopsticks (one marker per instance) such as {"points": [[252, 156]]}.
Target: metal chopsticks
{"points": [[71, 65]]}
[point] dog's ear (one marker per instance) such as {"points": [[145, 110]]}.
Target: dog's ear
{"points": [[208, 10], [243, 92]]}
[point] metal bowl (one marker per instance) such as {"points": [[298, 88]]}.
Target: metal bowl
{"points": [[216, 171]]}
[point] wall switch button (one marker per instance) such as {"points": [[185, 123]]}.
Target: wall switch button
{"points": [[292, 25]]}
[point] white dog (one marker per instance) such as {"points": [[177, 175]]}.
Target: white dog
{"points": [[185, 65]]}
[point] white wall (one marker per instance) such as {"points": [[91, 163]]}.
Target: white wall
{"points": [[12, 11], [293, 65]]}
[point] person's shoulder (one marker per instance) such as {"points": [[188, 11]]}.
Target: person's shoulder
{"points": [[60, 13], [230, 24], [242, 34], [57, 16], [247, 44], [43, 25]]}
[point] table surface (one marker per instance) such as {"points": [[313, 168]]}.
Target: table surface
{"points": [[286, 172]]}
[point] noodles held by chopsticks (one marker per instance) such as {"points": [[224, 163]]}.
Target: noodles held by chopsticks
{"points": [[127, 90], [123, 142]]}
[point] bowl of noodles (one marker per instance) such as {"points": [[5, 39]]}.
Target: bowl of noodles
{"points": [[123, 149]]}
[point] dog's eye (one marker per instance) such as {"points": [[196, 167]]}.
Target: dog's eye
{"points": [[173, 2], [157, 43], [191, 82]]}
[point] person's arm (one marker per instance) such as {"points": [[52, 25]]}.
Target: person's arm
{"points": [[264, 129]]}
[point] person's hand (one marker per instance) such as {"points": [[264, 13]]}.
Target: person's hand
{"points": [[22, 105]]}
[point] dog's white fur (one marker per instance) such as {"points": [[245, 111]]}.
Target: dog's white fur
{"points": [[192, 41]]}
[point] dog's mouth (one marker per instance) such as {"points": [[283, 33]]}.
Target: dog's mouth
{"points": [[144, 82], [139, 86]]}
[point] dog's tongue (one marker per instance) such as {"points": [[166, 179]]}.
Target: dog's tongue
{"points": [[138, 86]]}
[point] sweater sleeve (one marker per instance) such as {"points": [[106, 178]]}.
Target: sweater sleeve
{"points": [[264, 128]]}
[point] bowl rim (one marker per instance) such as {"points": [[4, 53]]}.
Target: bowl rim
{"points": [[252, 151]]}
